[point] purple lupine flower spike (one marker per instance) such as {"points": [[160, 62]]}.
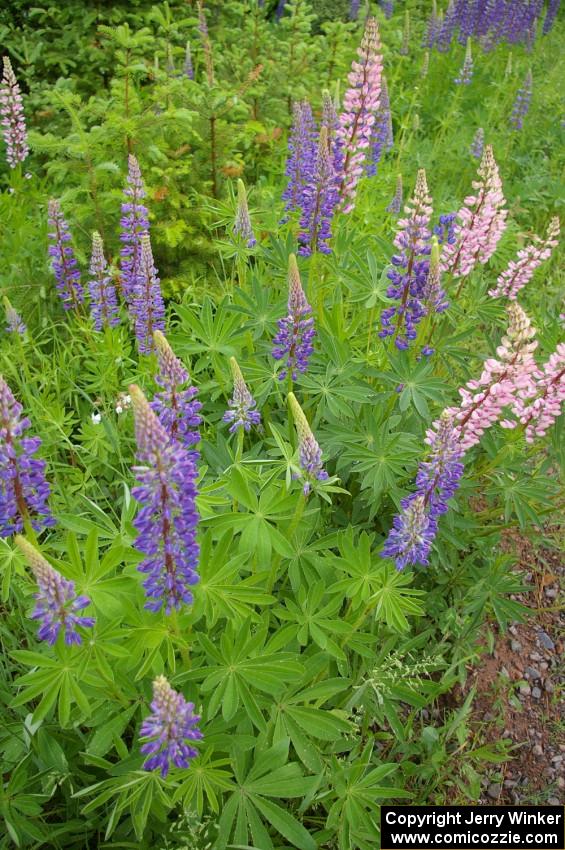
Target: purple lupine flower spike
{"points": [[294, 340], [148, 307], [414, 529], [280, 9], [409, 270], [242, 413], [446, 229], [360, 103], [309, 452], [522, 103], [387, 7], [432, 28], [242, 224], [550, 15], [302, 155], [176, 405], [319, 201], [103, 298], [13, 118], [134, 224], [57, 604], [396, 203], [170, 725], [188, 67], [15, 323], [478, 144], [466, 73], [381, 135], [354, 9], [446, 29], [166, 523], [63, 260]]}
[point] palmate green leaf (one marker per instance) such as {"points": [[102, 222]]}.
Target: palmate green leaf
{"points": [[394, 600]]}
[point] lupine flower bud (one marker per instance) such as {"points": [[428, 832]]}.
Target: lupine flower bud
{"points": [[57, 604], [242, 413], [309, 452], [166, 523], [522, 103], [301, 162], [176, 405], [294, 341], [481, 221], [319, 201], [103, 298], [466, 73], [242, 224], [188, 68], [433, 294], [520, 271], [361, 101], [410, 268], [478, 144], [425, 64], [396, 203], [148, 307], [169, 726], [15, 323], [63, 260], [381, 135], [206, 44], [13, 118], [24, 490], [405, 46], [134, 224]]}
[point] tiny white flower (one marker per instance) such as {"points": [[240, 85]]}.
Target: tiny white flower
{"points": [[119, 408], [96, 418], [127, 399]]}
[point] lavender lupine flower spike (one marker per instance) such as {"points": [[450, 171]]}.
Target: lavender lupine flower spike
{"points": [[294, 341], [63, 260], [241, 413], [242, 224], [478, 144], [309, 452], [466, 73], [15, 323], [13, 119], [319, 201], [134, 224], [148, 307], [57, 604], [166, 523], [522, 103], [176, 405], [302, 155], [169, 726], [360, 103], [24, 490], [410, 268], [396, 203], [103, 298]]}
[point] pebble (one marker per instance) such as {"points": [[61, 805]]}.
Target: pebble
{"points": [[557, 759], [549, 686], [536, 693], [543, 666], [516, 646], [553, 801], [535, 656], [537, 750], [510, 783], [525, 690], [560, 782], [504, 672], [494, 791], [532, 673], [546, 641], [551, 592], [513, 630]]}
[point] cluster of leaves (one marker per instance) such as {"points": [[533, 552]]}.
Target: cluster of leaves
{"points": [[310, 658]]}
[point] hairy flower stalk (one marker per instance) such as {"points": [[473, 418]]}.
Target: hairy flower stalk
{"points": [[170, 725], [294, 340], [57, 604], [188, 68], [13, 118], [148, 307], [480, 222], [520, 271], [381, 136], [242, 413], [522, 103], [309, 452], [539, 405], [166, 523], [319, 200], [466, 73], [176, 404], [103, 298], [15, 323], [24, 490], [395, 205], [302, 155], [501, 381], [134, 224], [478, 144], [63, 260], [437, 479], [410, 268], [242, 224], [361, 101]]}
